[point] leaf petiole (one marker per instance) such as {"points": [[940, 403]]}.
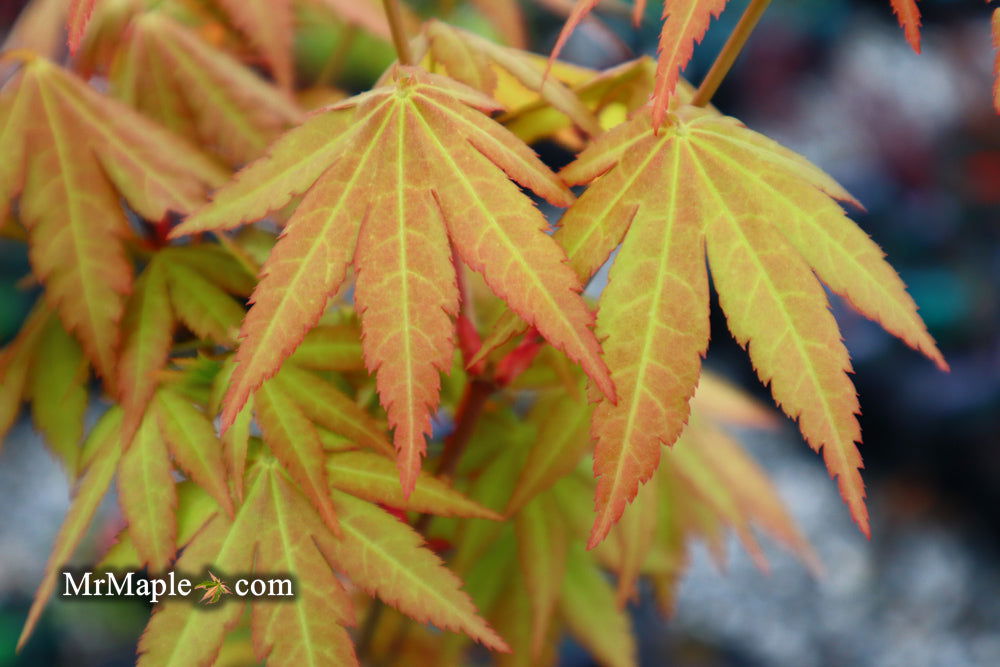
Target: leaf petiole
{"points": [[395, 18]]}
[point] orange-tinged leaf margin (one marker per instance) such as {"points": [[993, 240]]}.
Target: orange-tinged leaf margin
{"points": [[148, 328], [685, 23], [576, 16], [909, 18], [405, 575], [294, 441], [374, 478], [191, 439], [308, 263], [147, 494], [80, 12], [268, 25]]}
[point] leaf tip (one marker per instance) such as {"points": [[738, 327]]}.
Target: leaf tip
{"points": [[939, 360], [603, 523]]}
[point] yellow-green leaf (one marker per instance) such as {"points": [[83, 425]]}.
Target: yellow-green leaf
{"points": [[180, 634], [326, 406], [307, 630], [59, 395], [170, 74], [384, 556], [420, 178], [202, 306], [563, 423], [148, 332], [542, 540], [15, 362], [191, 438], [374, 477], [770, 226], [588, 605], [294, 441], [331, 348], [147, 495]]}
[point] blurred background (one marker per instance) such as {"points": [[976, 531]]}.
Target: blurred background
{"points": [[916, 140]]}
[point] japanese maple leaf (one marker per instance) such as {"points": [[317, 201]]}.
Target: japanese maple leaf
{"points": [[166, 71], [215, 588], [277, 531], [72, 154], [476, 62], [396, 180], [268, 25], [80, 12], [178, 284], [769, 224]]}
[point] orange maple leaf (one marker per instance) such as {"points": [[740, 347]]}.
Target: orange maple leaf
{"points": [[909, 19], [72, 153], [396, 178], [80, 12], [766, 219]]}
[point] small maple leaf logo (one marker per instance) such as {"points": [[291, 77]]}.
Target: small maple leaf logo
{"points": [[214, 589]]}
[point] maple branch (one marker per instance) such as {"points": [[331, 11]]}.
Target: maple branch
{"points": [[734, 45], [477, 392], [395, 17]]}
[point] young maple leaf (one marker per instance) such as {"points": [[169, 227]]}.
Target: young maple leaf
{"points": [[397, 178], [147, 494], [276, 530], [45, 366], [215, 588], [167, 72], [476, 62], [80, 12], [268, 25], [178, 284], [768, 222], [72, 154]]}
